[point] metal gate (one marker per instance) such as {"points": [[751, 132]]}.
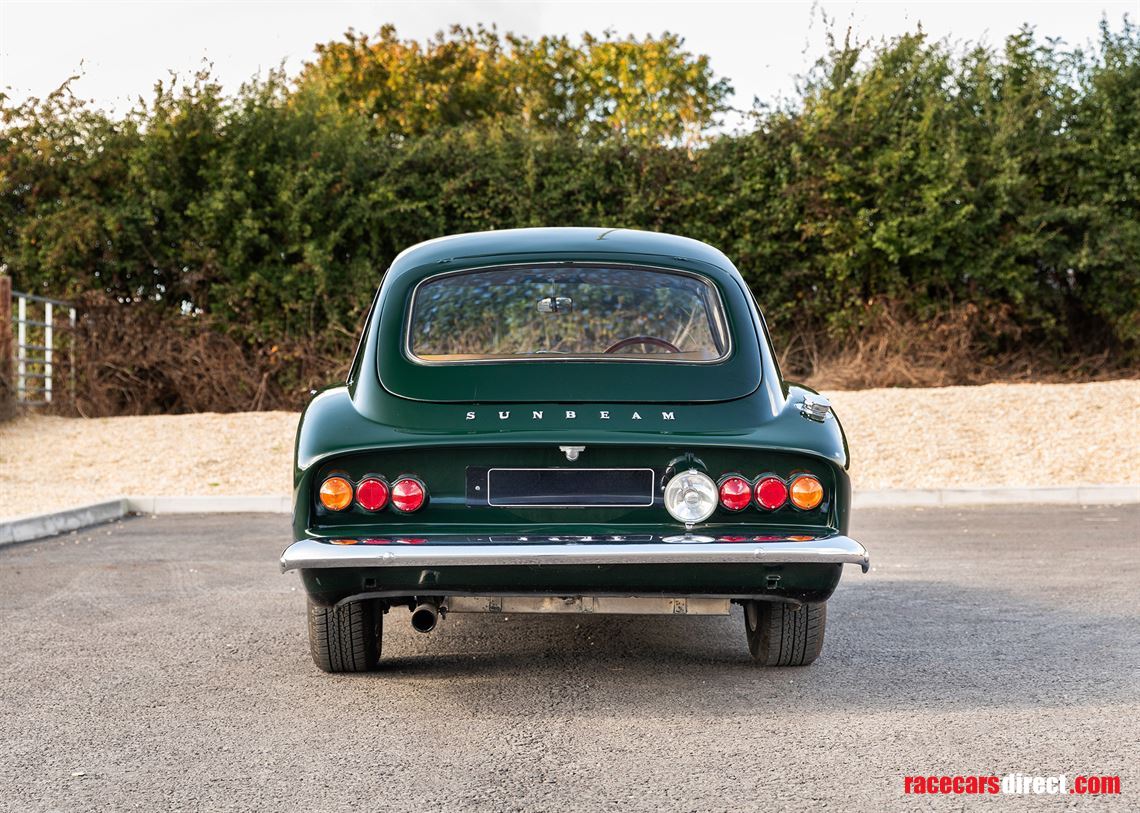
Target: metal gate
{"points": [[36, 319]]}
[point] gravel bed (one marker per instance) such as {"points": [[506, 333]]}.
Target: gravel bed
{"points": [[993, 435]]}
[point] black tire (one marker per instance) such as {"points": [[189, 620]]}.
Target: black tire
{"points": [[346, 638], [782, 634]]}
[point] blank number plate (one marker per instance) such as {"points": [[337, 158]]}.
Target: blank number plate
{"points": [[568, 488]]}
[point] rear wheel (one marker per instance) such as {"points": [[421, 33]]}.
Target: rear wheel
{"points": [[782, 634], [346, 638]]}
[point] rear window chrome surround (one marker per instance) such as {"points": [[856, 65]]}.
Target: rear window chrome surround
{"points": [[721, 322]]}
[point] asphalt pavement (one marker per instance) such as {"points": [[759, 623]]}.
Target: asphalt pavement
{"points": [[162, 664]]}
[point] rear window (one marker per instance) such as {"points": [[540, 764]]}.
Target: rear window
{"points": [[566, 312]]}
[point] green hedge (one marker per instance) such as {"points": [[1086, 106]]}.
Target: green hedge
{"points": [[908, 172]]}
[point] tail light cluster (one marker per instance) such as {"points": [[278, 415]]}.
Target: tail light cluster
{"points": [[692, 496], [769, 492], [372, 493]]}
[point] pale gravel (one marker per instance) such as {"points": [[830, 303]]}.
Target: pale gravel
{"points": [[992, 435]]}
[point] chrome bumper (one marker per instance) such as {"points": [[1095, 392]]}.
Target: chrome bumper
{"points": [[681, 549]]}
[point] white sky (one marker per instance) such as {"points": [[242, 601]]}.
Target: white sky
{"points": [[122, 48]]}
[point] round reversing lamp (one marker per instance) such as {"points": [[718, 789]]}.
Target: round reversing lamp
{"points": [[691, 497]]}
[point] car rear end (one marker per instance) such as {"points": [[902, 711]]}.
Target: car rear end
{"points": [[549, 435], [517, 519]]}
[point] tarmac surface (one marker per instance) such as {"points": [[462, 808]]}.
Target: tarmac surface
{"points": [[161, 663]]}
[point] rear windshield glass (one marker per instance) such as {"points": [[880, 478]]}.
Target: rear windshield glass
{"points": [[527, 313]]}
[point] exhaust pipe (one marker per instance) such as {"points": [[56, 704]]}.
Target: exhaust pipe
{"points": [[424, 617]]}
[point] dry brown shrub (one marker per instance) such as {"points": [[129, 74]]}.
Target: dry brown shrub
{"points": [[137, 358], [963, 345]]}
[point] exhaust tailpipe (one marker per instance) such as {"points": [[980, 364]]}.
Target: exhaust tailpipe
{"points": [[424, 617]]}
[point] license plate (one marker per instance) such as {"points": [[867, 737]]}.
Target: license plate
{"points": [[569, 488]]}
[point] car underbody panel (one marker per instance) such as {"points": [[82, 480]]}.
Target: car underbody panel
{"points": [[587, 605]]}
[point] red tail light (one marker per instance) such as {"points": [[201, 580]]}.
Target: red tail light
{"points": [[408, 495], [735, 493], [771, 493], [372, 494]]}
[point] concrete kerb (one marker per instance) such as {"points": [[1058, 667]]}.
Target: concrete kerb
{"points": [[25, 529]]}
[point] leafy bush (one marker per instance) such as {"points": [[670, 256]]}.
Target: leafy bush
{"points": [[908, 180]]}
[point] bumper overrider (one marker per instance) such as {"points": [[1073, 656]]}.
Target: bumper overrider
{"points": [[794, 568]]}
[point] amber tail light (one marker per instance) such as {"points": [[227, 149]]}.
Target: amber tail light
{"points": [[806, 492], [336, 494]]}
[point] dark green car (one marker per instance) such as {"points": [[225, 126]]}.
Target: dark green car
{"points": [[569, 421]]}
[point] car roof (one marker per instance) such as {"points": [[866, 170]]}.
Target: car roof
{"points": [[555, 243]]}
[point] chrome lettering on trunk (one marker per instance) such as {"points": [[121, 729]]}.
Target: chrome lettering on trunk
{"points": [[573, 415]]}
